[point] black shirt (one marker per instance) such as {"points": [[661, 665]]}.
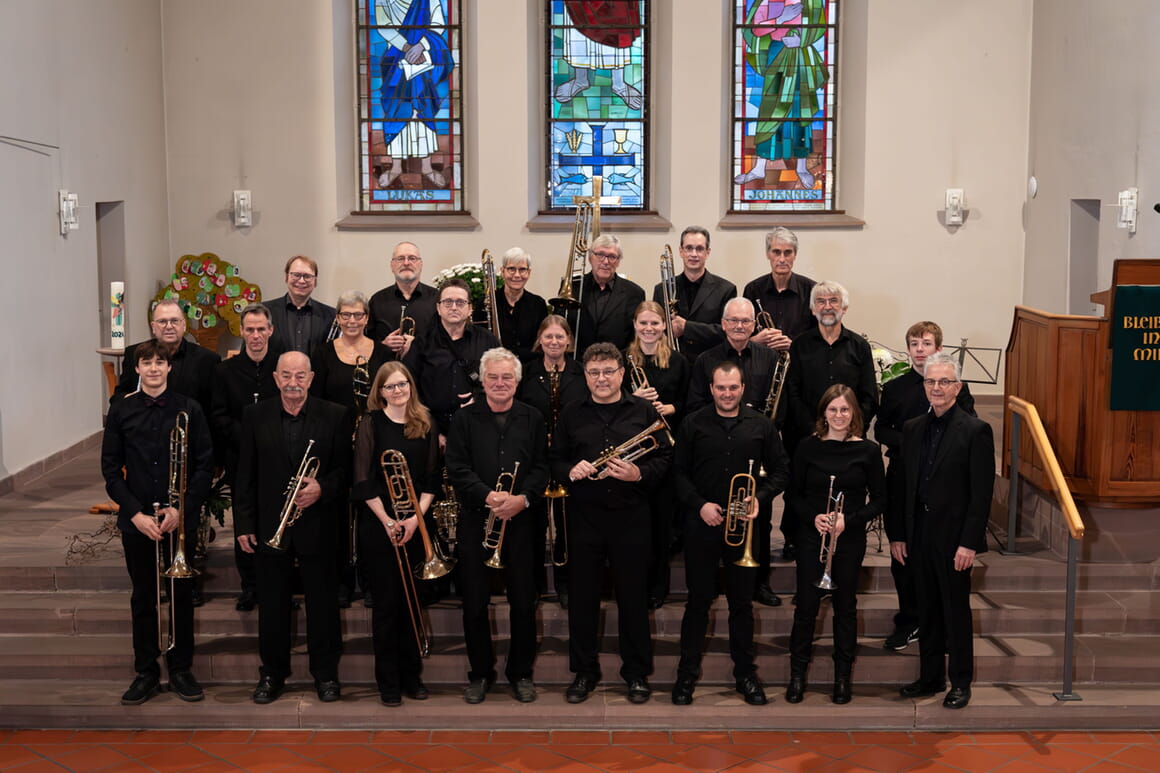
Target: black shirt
{"points": [[300, 329], [376, 434], [444, 369], [191, 370], [387, 309], [535, 389], [334, 379], [790, 308], [671, 383], [904, 398], [815, 365], [711, 449], [857, 469], [480, 448], [519, 324], [931, 440], [238, 382], [756, 364], [137, 439], [605, 315], [703, 328]]}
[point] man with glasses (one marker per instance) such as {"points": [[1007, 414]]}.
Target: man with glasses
{"points": [[493, 437], [607, 300], [300, 322], [520, 311], [608, 521], [757, 363], [937, 522], [701, 296], [781, 293], [191, 366], [407, 296], [445, 362]]}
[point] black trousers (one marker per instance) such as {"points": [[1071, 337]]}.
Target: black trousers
{"points": [[851, 549], [761, 538], [907, 616], [944, 619], [141, 563], [705, 550], [520, 581], [663, 507], [247, 574], [621, 540], [397, 658], [323, 629]]}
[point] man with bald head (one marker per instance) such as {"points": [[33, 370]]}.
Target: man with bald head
{"points": [[278, 434], [408, 296]]}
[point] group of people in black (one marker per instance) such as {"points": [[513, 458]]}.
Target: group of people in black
{"points": [[647, 439]]}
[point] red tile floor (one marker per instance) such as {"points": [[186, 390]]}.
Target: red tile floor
{"points": [[27, 751]]}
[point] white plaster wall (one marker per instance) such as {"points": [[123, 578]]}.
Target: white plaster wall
{"points": [[82, 95]]}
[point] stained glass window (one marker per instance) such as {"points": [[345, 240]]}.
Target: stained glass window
{"points": [[597, 101], [410, 107], [784, 97]]}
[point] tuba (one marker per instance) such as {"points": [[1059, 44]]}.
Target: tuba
{"points": [[630, 450], [776, 384], [494, 529], [738, 528], [405, 503], [829, 540], [291, 512], [178, 457], [490, 302], [669, 296]]}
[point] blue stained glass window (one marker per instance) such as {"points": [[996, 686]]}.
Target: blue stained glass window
{"points": [[784, 98], [410, 114], [597, 101]]}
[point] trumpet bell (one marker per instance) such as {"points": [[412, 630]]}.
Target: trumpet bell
{"points": [[826, 582], [746, 561], [494, 561]]}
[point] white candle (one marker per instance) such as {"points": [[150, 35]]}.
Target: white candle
{"points": [[117, 314]]}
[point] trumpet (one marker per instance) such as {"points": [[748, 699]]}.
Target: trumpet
{"points": [[764, 318], [405, 503], [738, 528], [494, 530], [776, 384], [490, 304], [406, 324], [446, 513], [630, 450], [669, 295], [639, 380], [291, 512], [178, 455], [829, 539], [555, 490]]}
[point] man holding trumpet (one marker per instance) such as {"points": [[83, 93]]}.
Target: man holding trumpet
{"points": [[497, 462], [719, 452], [608, 517], [136, 442]]}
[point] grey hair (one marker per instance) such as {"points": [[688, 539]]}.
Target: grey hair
{"points": [[942, 358], [829, 287], [605, 240], [515, 255], [353, 298], [694, 229], [781, 234], [739, 301], [497, 355]]}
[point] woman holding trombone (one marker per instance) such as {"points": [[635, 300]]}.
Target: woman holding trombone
{"points": [[396, 421], [838, 476]]}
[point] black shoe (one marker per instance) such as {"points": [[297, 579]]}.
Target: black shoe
{"points": [[563, 595], [842, 693], [683, 691], [639, 691], [789, 552], [921, 689], [656, 602], [328, 691], [144, 687], [295, 604], [752, 691], [368, 601], [476, 691], [343, 597], [957, 698], [268, 690], [796, 689], [392, 698], [763, 595], [581, 687], [197, 598], [416, 690], [247, 601], [901, 638], [186, 687], [524, 690]]}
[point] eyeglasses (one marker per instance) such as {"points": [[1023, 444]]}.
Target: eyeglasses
{"points": [[822, 303], [517, 269], [453, 303], [606, 256], [173, 322], [697, 248], [604, 373], [406, 259], [775, 252], [298, 276], [739, 320], [941, 383], [398, 386], [357, 316]]}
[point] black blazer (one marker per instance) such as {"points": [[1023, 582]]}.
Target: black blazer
{"points": [[616, 323], [265, 467], [191, 373], [321, 319], [961, 485], [703, 318]]}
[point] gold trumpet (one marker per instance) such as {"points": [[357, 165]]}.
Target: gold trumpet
{"points": [[829, 539], [308, 468], [493, 532], [764, 318], [405, 503], [406, 324], [178, 457], [669, 295], [776, 384], [739, 528], [490, 305], [639, 380], [630, 450]]}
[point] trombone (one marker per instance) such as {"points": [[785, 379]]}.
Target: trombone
{"points": [[494, 530], [639, 380], [776, 384], [405, 503], [291, 512], [178, 459], [739, 528], [490, 304], [669, 296], [829, 539], [630, 450], [566, 299], [159, 559], [360, 382]]}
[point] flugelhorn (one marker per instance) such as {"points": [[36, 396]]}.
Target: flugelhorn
{"points": [[406, 324], [776, 385], [630, 450], [738, 527], [405, 503], [829, 539], [495, 527], [178, 461], [669, 296], [764, 318], [291, 512], [639, 380], [490, 302]]}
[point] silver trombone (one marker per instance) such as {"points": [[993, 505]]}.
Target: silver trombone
{"points": [[669, 296], [829, 539]]}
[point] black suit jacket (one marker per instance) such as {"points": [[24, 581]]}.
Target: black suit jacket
{"points": [[265, 467], [321, 319], [961, 486], [615, 324], [703, 317], [191, 374]]}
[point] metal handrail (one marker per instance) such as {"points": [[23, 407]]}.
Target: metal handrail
{"points": [[1022, 409]]}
